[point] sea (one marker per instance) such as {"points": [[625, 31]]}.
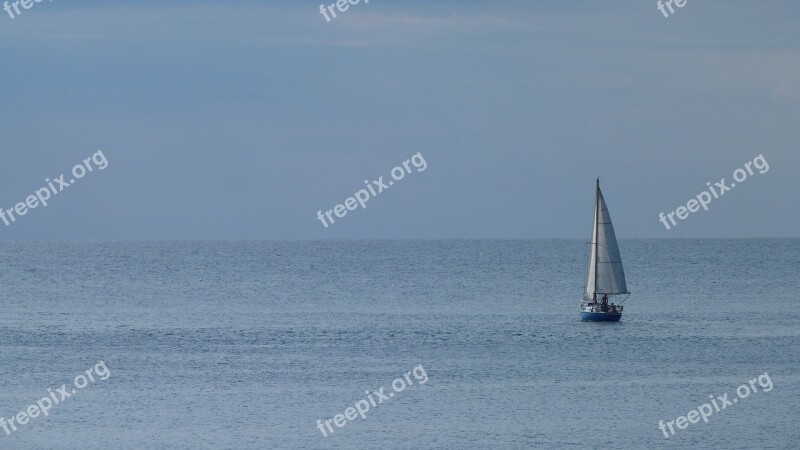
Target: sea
{"points": [[255, 345]]}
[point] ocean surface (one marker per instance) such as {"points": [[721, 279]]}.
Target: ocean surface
{"points": [[247, 344]]}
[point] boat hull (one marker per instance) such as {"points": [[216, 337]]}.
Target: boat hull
{"points": [[600, 316]]}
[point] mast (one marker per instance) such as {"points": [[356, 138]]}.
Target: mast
{"points": [[596, 226]]}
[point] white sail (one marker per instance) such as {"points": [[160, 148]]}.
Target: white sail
{"points": [[606, 275]]}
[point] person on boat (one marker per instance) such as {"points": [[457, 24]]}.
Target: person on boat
{"points": [[604, 302]]}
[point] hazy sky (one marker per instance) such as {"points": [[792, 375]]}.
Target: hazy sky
{"points": [[242, 119]]}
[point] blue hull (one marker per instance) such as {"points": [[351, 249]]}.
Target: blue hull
{"points": [[600, 317]]}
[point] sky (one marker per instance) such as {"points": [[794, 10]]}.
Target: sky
{"points": [[242, 119]]}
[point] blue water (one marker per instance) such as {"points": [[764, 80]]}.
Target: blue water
{"points": [[247, 344]]}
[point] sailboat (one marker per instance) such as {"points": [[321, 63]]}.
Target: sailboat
{"points": [[605, 276]]}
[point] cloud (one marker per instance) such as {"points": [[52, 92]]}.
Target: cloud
{"points": [[431, 23]]}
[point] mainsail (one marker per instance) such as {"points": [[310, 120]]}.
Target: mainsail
{"points": [[606, 275]]}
